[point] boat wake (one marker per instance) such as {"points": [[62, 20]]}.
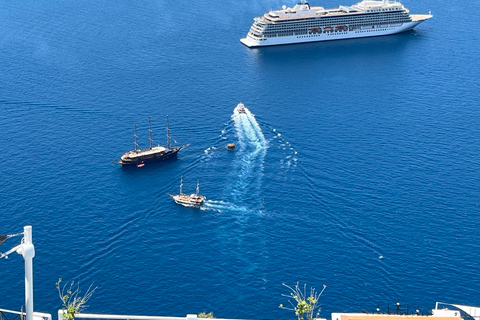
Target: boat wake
{"points": [[244, 179], [222, 206], [248, 166], [248, 130], [250, 133], [220, 144], [289, 158]]}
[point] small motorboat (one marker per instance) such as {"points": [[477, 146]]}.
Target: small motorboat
{"points": [[241, 108], [188, 200]]}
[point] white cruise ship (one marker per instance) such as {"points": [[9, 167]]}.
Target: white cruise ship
{"points": [[304, 23]]}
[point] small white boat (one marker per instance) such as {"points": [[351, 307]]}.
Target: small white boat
{"points": [[240, 108], [188, 200]]}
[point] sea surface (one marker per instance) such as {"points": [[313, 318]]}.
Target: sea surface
{"points": [[358, 167]]}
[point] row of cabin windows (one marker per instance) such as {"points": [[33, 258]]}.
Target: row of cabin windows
{"points": [[341, 20], [380, 10], [390, 17], [345, 18], [383, 14], [302, 27], [316, 35], [302, 31], [337, 21]]}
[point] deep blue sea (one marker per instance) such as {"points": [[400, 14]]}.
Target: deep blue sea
{"points": [[360, 169]]}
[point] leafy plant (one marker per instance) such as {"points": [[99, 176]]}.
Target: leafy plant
{"points": [[303, 305], [206, 315], [72, 300]]}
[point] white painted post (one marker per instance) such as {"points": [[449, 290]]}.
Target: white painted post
{"points": [[27, 250]]}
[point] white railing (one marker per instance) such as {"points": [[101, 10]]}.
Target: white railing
{"points": [[22, 315], [133, 317]]}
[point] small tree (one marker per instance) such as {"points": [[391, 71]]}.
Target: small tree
{"points": [[72, 300], [302, 305], [206, 315]]}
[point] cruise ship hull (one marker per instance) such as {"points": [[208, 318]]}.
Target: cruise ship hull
{"points": [[363, 32]]}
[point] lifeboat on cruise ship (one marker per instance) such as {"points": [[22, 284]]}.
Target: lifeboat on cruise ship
{"points": [[315, 30], [328, 29], [341, 28]]}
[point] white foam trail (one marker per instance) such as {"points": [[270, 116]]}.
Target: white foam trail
{"points": [[250, 155], [290, 160], [248, 130], [222, 206]]}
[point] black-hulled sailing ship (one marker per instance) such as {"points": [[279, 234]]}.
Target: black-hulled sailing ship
{"points": [[140, 157]]}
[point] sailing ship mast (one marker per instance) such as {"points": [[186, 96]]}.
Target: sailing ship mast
{"points": [[153, 153], [136, 143], [198, 188], [150, 132], [168, 134]]}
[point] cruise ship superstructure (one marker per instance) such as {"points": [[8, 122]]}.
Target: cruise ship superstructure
{"points": [[304, 23]]}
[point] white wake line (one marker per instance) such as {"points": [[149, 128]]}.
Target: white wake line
{"points": [[247, 128], [249, 160], [218, 205]]}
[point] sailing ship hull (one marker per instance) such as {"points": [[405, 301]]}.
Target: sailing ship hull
{"points": [[153, 154], [152, 158], [188, 204], [191, 201]]}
